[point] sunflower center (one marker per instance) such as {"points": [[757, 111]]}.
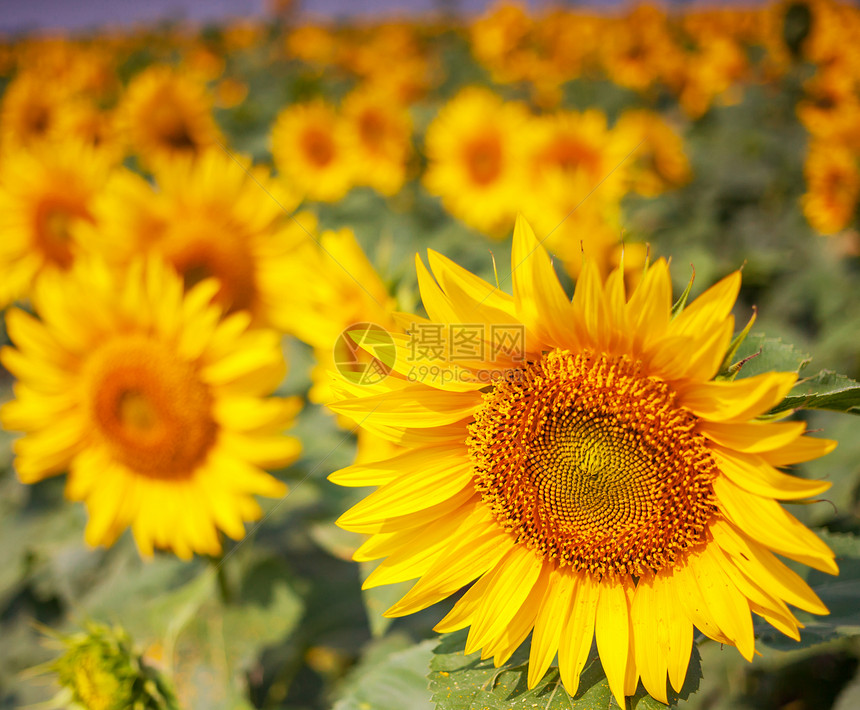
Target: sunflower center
{"points": [[318, 147], [53, 229], [170, 126], [593, 465], [149, 407], [372, 128], [206, 252], [569, 154], [483, 158]]}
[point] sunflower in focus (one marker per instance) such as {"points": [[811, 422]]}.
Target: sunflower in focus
{"points": [[833, 187], [46, 198], [310, 149], [476, 148], [154, 404], [166, 114], [379, 133], [586, 473]]}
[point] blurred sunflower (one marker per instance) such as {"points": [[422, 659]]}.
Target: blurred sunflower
{"points": [[309, 146], [659, 161], [476, 148], [569, 144], [154, 404], [379, 134], [594, 482], [30, 111], [832, 187], [346, 293], [46, 196], [213, 216], [166, 114]]}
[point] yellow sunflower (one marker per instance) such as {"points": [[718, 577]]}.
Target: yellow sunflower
{"points": [[379, 134], [345, 294], [166, 114], [154, 404], [46, 196], [658, 161], [588, 477], [833, 187], [476, 148], [309, 147], [211, 216], [30, 111]]}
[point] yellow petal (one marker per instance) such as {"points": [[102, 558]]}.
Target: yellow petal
{"points": [[726, 605], [738, 400], [418, 405], [414, 491], [578, 632], [512, 580], [752, 438], [551, 618], [679, 629], [612, 630], [753, 474], [651, 637], [803, 449], [766, 521], [709, 310]]}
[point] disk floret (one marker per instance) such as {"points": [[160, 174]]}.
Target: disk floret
{"points": [[593, 464]]}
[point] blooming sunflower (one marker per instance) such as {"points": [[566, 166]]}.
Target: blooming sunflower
{"points": [[833, 187], [30, 111], [476, 147], [595, 483], [46, 197], [346, 294], [309, 146], [167, 114], [210, 216], [152, 402], [379, 135]]}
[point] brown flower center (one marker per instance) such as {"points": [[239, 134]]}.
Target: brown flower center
{"points": [[593, 465]]}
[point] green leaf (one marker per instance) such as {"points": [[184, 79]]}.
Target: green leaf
{"points": [[391, 676], [826, 390], [461, 682], [764, 354]]}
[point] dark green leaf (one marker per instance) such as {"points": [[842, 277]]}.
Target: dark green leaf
{"points": [[826, 390]]}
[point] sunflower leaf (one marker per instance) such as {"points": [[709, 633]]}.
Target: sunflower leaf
{"points": [[390, 676], [761, 354], [826, 390], [465, 682]]}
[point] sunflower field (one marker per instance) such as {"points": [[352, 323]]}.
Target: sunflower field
{"points": [[463, 362]]}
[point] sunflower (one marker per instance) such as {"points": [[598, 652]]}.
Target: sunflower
{"points": [[658, 162], [476, 148], [309, 146], [152, 401], [833, 187], [589, 477], [167, 114], [345, 295], [379, 136], [210, 216], [30, 111], [46, 196]]}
